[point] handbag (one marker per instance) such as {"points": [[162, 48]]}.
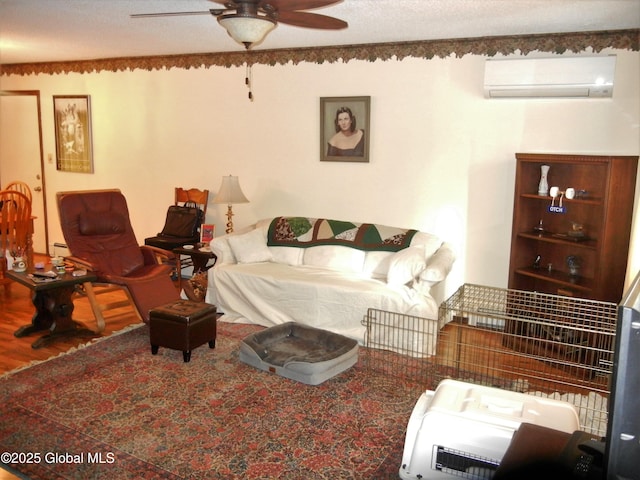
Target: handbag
{"points": [[182, 221]]}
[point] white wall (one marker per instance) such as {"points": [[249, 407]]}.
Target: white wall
{"points": [[442, 156]]}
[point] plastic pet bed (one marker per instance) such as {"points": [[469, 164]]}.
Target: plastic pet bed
{"points": [[299, 352]]}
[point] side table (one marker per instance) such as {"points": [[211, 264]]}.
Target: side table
{"points": [[54, 306], [200, 257]]}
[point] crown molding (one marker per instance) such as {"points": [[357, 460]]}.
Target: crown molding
{"points": [[489, 46]]}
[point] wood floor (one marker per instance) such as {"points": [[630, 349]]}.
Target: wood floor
{"points": [[484, 354], [16, 310]]}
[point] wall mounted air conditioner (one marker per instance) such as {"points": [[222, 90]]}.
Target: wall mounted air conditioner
{"points": [[578, 77]]}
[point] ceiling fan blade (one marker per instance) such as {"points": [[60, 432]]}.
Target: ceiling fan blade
{"points": [[311, 20], [289, 5], [233, 3], [170, 14], [281, 5]]}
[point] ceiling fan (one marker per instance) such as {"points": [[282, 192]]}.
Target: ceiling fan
{"points": [[249, 21]]}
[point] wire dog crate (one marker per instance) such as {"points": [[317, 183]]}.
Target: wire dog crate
{"points": [[542, 344], [401, 347], [537, 343]]}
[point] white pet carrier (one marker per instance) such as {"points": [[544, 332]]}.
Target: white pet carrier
{"points": [[462, 430]]}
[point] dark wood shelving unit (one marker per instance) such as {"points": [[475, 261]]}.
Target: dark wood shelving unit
{"points": [[604, 209], [560, 279], [587, 242], [556, 325]]}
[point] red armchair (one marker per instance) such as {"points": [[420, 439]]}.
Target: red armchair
{"points": [[98, 233]]}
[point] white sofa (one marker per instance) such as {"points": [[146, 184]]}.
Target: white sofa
{"points": [[325, 273]]}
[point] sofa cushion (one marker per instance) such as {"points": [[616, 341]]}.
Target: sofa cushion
{"points": [[287, 255], [340, 258], [250, 247], [406, 265], [376, 264]]}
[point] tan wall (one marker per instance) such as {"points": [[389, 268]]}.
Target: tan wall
{"points": [[442, 156]]}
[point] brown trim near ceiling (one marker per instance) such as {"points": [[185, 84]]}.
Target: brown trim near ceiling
{"points": [[490, 46]]}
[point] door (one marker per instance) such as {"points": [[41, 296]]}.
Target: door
{"points": [[21, 154]]}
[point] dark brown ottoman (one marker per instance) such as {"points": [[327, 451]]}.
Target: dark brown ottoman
{"points": [[182, 325]]}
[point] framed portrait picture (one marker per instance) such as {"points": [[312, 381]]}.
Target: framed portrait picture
{"points": [[207, 233], [73, 133], [345, 129]]}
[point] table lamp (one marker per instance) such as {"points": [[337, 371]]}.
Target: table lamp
{"points": [[230, 193]]}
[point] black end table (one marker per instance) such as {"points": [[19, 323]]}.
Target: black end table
{"points": [[200, 257], [54, 306]]}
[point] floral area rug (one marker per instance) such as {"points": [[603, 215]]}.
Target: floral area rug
{"points": [[114, 411]]}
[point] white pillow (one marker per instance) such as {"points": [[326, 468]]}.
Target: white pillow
{"points": [[439, 265], [428, 241], [406, 265], [221, 249], [376, 263], [250, 247]]}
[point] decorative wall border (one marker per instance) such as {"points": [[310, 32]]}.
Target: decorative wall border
{"points": [[490, 46]]}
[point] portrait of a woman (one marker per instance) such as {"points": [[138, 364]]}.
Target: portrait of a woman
{"points": [[345, 129], [348, 140]]}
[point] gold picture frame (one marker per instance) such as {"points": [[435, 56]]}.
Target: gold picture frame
{"points": [[345, 129], [72, 121]]}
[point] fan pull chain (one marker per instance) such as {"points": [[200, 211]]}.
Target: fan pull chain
{"points": [[248, 80]]}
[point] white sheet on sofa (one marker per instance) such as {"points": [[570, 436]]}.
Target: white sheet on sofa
{"points": [[270, 294]]}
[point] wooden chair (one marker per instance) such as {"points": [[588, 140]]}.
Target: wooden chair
{"points": [[98, 233], [182, 196], [199, 197], [21, 187], [15, 224], [167, 242]]}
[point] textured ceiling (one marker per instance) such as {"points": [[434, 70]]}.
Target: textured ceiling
{"points": [[44, 31]]}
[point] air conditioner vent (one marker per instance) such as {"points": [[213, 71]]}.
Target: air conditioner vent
{"points": [[559, 77]]}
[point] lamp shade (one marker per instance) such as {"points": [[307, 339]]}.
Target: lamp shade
{"points": [[230, 191], [247, 29]]}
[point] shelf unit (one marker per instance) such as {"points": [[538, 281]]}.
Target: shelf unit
{"points": [[604, 211]]}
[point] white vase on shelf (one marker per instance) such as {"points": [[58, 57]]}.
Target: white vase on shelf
{"points": [[543, 186]]}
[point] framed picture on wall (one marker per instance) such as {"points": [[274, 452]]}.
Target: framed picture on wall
{"points": [[72, 121], [345, 129]]}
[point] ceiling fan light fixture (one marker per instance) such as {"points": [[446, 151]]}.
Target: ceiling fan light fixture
{"points": [[247, 29]]}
